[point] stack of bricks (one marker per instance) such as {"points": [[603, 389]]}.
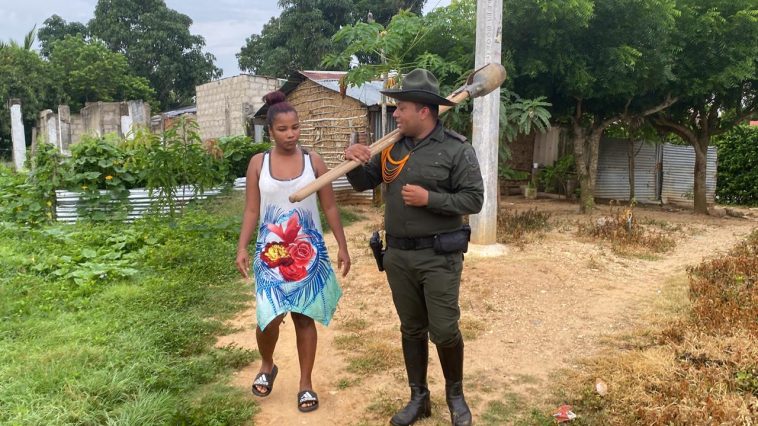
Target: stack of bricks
{"points": [[224, 107]]}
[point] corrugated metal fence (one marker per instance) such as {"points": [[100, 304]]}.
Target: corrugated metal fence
{"points": [[679, 174], [662, 172], [139, 201], [613, 170]]}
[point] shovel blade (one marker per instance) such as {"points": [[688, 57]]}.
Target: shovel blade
{"points": [[484, 80]]}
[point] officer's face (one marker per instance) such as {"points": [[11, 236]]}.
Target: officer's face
{"points": [[409, 116], [285, 130]]}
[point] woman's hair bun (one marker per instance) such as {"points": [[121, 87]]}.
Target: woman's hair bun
{"points": [[274, 98]]}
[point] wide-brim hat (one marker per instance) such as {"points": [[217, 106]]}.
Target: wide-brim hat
{"points": [[420, 86]]}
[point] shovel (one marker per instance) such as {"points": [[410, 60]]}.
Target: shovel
{"points": [[479, 83]]}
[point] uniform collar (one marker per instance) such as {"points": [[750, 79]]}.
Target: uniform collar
{"points": [[437, 134]]}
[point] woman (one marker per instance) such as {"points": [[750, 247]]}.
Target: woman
{"points": [[291, 265]]}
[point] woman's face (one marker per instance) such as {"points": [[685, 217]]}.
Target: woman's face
{"points": [[285, 130]]}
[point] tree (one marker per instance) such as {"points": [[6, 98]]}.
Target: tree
{"points": [[383, 11], [443, 42], [158, 46], [716, 76], [89, 71], [281, 47], [596, 61], [23, 75], [56, 28]]}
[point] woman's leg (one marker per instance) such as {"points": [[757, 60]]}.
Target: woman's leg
{"points": [[266, 344], [307, 337]]}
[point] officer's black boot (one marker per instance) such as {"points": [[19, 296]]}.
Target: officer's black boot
{"points": [[451, 359], [416, 354]]}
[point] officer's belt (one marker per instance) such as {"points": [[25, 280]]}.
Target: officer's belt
{"points": [[417, 243]]}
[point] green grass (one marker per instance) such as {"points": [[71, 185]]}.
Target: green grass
{"points": [[511, 410], [115, 324]]}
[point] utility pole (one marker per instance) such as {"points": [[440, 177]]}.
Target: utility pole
{"points": [[489, 16]]}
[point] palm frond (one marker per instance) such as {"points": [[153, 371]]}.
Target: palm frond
{"points": [[30, 37]]}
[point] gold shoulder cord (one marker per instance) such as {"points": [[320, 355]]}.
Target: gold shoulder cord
{"points": [[391, 168]]}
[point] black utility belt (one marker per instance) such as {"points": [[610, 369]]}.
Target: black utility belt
{"points": [[443, 243]]}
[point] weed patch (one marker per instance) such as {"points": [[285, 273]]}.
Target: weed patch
{"points": [[514, 226], [627, 237]]}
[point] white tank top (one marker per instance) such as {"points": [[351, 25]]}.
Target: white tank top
{"points": [[275, 192]]}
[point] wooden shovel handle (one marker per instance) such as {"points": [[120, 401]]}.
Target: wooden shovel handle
{"points": [[376, 147]]}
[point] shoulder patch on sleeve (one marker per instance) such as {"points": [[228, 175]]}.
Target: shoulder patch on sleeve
{"points": [[457, 136], [473, 162]]}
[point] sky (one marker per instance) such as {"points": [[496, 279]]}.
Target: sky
{"points": [[225, 24]]}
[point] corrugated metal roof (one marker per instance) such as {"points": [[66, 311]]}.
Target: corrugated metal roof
{"points": [[613, 170], [679, 173], [323, 75], [368, 94], [181, 111]]}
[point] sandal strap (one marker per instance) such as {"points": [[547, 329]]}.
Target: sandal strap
{"points": [[262, 380], [308, 396]]}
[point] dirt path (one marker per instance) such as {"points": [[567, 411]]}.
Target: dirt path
{"points": [[524, 316]]}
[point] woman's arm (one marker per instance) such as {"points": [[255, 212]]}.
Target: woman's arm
{"points": [[250, 216], [329, 205]]}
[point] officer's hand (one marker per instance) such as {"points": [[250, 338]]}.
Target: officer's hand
{"points": [[414, 195], [358, 152]]}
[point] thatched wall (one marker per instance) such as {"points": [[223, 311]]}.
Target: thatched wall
{"points": [[327, 120]]}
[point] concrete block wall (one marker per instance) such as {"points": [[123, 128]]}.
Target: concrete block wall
{"points": [[96, 118], [224, 105]]}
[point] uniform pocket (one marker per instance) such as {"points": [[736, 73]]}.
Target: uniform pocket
{"points": [[454, 262]]}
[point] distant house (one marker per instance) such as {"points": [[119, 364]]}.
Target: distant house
{"points": [[159, 123], [329, 121], [225, 106]]}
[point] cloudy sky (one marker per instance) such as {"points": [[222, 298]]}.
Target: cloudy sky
{"points": [[225, 24]]}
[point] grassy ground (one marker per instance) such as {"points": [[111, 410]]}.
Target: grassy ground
{"points": [[116, 324], [694, 364]]}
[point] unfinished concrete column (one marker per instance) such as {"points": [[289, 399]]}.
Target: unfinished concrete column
{"points": [[64, 128], [51, 127], [258, 133], [17, 134]]}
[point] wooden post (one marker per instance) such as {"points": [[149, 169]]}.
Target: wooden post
{"points": [[489, 15]]}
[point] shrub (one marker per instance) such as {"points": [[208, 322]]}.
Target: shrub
{"points": [[99, 163], [237, 151], [724, 291], [625, 234], [514, 225], [555, 178], [738, 166]]}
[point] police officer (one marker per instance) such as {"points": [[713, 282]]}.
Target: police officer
{"points": [[433, 179]]}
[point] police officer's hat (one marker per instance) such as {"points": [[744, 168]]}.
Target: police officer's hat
{"points": [[419, 86]]}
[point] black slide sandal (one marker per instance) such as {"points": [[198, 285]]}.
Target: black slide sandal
{"points": [[305, 397], [265, 380]]}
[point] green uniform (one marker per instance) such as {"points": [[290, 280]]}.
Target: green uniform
{"points": [[425, 284]]}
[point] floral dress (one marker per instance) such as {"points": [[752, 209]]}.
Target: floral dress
{"points": [[291, 265]]}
